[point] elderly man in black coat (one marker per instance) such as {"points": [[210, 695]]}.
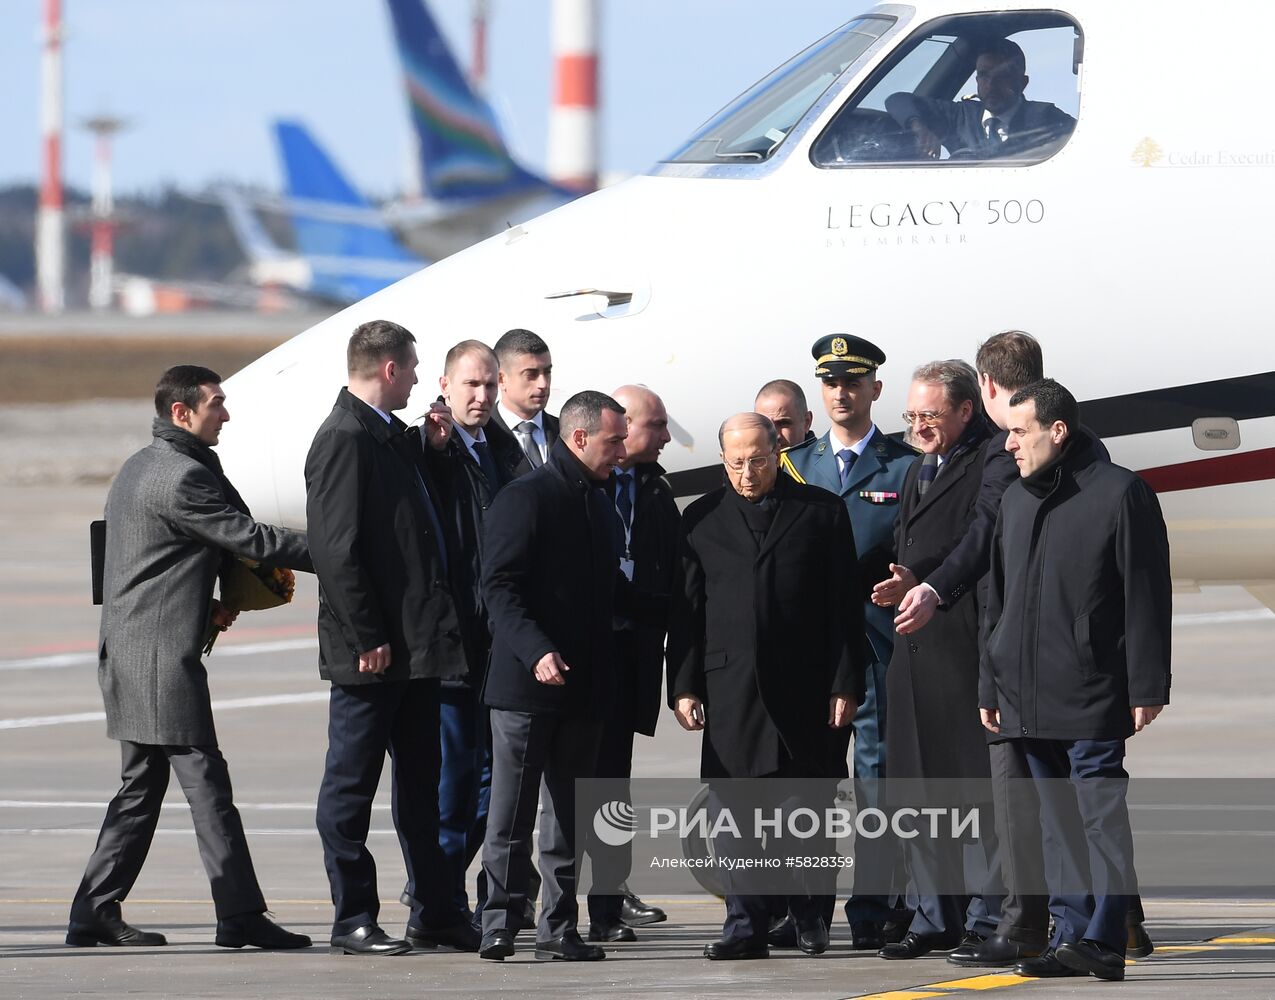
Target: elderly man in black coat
{"points": [[550, 573], [933, 752], [766, 649], [388, 631], [1076, 660]]}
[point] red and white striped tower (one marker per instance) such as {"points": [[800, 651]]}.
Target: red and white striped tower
{"points": [[573, 122], [102, 252], [478, 64], [50, 244]]}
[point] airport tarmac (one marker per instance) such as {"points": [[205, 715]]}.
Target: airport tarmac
{"points": [[60, 770]]}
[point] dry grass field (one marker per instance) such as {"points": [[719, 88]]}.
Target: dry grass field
{"points": [[47, 369]]}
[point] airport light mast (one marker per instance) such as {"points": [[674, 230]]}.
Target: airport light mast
{"points": [[573, 122], [478, 64], [50, 237], [104, 223]]}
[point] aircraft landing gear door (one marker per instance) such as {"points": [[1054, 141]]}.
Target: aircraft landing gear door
{"points": [[931, 182]]}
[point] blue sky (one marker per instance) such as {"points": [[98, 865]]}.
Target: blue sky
{"points": [[200, 80]]}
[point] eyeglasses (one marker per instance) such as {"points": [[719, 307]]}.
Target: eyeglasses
{"points": [[756, 464], [927, 417]]}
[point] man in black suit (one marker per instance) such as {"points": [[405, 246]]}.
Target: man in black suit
{"points": [[1076, 659], [1000, 123], [933, 675], [526, 376], [388, 630], [767, 655], [648, 524], [549, 576], [471, 470], [521, 435]]}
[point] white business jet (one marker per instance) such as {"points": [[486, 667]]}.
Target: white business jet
{"points": [[861, 187]]}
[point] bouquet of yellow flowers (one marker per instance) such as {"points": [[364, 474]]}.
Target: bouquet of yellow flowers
{"points": [[247, 585]]}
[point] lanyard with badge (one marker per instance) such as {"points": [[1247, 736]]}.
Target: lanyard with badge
{"points": [[626, 560]]}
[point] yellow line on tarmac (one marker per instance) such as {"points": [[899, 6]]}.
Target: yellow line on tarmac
{"points": [[987, 982], [1242, 940], [1182, 947], [993, 981], [954, 987], [901, 995]]}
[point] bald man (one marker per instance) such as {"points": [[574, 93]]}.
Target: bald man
{"points": [[767, 657], [647, 527], [783, 402]]}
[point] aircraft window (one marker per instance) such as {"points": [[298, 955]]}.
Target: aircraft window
{"points": [[752, 126], [995, 88]]}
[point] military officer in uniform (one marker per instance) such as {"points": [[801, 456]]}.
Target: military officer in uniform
{"points": [[866, 469]]}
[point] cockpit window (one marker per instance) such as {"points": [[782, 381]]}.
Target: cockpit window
{"points": [[752, 126], [997, 88]]}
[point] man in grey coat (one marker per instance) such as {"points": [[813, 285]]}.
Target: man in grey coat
{"points": [[173, 520]]}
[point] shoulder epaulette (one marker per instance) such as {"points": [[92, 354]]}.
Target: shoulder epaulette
{"points": [[785, 463]]}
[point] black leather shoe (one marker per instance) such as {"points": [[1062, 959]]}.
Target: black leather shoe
{"points": [[995, 952], [969, 941], [1043, 966], [568, 948], [367, 940], [916, 945], [497, 946], [733, 949], [611, 932], [866, 936], [636, 913], [1093, 958], [1139, 945], [256, 930], [895, 930], [113, 931], [783, 933], [812, 937], [461, 937]]}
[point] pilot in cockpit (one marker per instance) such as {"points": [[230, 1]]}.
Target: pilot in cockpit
{"points": [[1000, 122]]}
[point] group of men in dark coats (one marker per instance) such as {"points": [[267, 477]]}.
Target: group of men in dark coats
{"points": [[495, 590]]}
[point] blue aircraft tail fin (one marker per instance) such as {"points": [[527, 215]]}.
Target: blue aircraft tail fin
{"points": [[351, 251], [312, 177], [463, 156]]}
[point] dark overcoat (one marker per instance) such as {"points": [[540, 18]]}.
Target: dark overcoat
{"points": [[764, 636], [932, 728], [377, 552], [1079, 616], [466, 496], [654, 546], [506, 449], [548, 580], [169, 525]]}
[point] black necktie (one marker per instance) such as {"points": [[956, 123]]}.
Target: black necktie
{"points": [[994, 126], [488, 466], [623, 499]]}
